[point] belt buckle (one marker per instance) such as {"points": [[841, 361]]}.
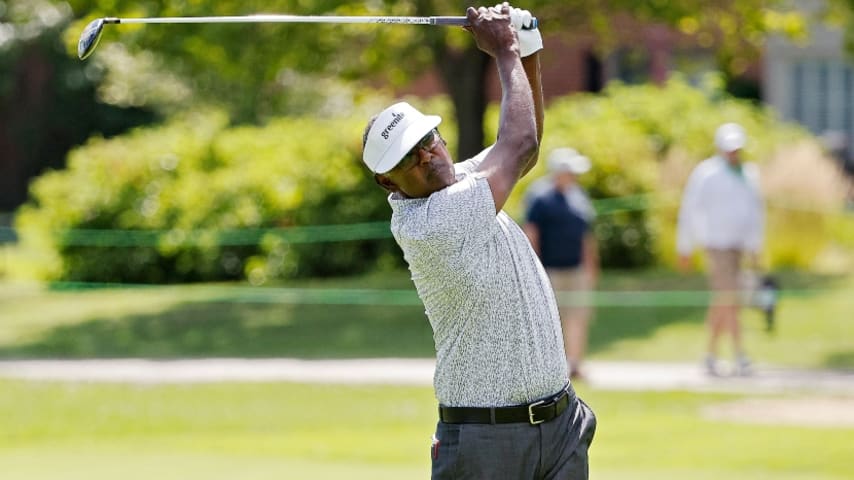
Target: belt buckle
{"points": [[531, 418]]}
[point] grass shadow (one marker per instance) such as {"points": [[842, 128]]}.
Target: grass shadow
{"points": [[240, 330], [840, 360], [223, 324]]}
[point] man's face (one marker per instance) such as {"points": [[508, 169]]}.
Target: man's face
{"points": [[733, 157], [564, 180], [427, 168]]}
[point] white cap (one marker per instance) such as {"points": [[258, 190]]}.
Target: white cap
{"points": [[395, 131], [567, 160], [730, 137]]}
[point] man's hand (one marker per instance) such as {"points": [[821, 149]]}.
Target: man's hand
{"points": [[518, 134], [530, 39], [492, 30]]}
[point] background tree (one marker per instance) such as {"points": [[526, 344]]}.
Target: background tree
{"points": [[47, 99], [258, 71], [262, 71]]}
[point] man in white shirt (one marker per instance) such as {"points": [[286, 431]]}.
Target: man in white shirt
{"points": [[722, 212]]}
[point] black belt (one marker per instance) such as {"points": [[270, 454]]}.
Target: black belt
{"points": [[533, 413]]}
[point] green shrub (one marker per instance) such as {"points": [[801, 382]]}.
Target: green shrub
{"points": [[805, 192], [197, 200], [644, 141]]}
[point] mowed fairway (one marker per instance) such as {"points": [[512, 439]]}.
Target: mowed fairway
{"points": [[228, 431], [275, 431], [70, 431], [643, 316]]}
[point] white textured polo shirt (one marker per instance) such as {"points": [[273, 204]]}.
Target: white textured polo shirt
{"points": [[495, 320]]}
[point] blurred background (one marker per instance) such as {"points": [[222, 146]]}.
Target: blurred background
{"points": [[196, 192]]}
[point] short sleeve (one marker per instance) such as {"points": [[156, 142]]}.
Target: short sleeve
{"points": [[580, 203]]}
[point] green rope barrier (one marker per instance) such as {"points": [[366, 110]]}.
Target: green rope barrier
{"points": [[233, 238], [322, 233], [409, 297]]}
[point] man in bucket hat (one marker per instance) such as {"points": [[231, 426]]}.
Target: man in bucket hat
{"points": [[506, 408]]}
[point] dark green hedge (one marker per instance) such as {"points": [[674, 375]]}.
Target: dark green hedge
{"points": [[195, 199]]}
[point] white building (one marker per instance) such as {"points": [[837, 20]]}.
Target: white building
{"points": [[813, 84]]}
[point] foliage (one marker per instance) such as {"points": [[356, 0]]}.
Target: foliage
{"points": [[254, 71], [176, 195], [259, 71], [251, 68], [642, 315], [734, 30], [622, 169], [47, 99], [644, 140], [193, 180]]}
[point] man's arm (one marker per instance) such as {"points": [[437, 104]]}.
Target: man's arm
{"points": [[590, 258], [531, 64], [688, 210], [518, 142]]}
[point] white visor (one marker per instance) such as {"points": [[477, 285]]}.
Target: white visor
{"points": [[394, 132]]}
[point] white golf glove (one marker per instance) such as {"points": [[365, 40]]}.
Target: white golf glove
{"points": [[530, 41]]}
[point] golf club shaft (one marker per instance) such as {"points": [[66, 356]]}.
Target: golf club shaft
{"points": [[296, 19], [92, 33]]}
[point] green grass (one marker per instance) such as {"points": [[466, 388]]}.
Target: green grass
{"points": [[266, 431], [220, 431], [813, 324], [380, 316]]}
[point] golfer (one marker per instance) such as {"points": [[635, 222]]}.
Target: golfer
{"points": [[506, 408]]}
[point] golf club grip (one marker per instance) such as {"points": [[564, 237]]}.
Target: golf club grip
{"points": [[463, 21]]}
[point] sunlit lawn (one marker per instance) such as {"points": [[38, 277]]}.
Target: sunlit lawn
{"points": [[267, 431], [380, 316], [274, 431]]}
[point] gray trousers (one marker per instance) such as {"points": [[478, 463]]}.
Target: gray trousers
{"points": [[555, 450]]}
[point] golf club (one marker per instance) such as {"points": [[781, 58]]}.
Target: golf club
{"points": [[92, 33]]}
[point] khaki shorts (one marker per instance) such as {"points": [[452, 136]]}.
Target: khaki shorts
{"points": [[725, 275], [572, 289]]}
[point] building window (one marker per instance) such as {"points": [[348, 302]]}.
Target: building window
{"points": [[594, 78], [823, 97]]}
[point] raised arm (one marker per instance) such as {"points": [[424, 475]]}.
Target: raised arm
{"points": [[517, 145], [531, 64]]}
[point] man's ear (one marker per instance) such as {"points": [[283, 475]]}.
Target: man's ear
{"points": [[386, 183]]}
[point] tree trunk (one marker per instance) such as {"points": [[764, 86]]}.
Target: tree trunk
{"points": [[464, 74]]}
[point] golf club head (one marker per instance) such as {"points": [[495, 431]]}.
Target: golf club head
{"points": [[89, 38]]}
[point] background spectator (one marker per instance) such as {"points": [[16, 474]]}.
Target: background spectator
{"points": [[558, 224], [722, 212]]}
